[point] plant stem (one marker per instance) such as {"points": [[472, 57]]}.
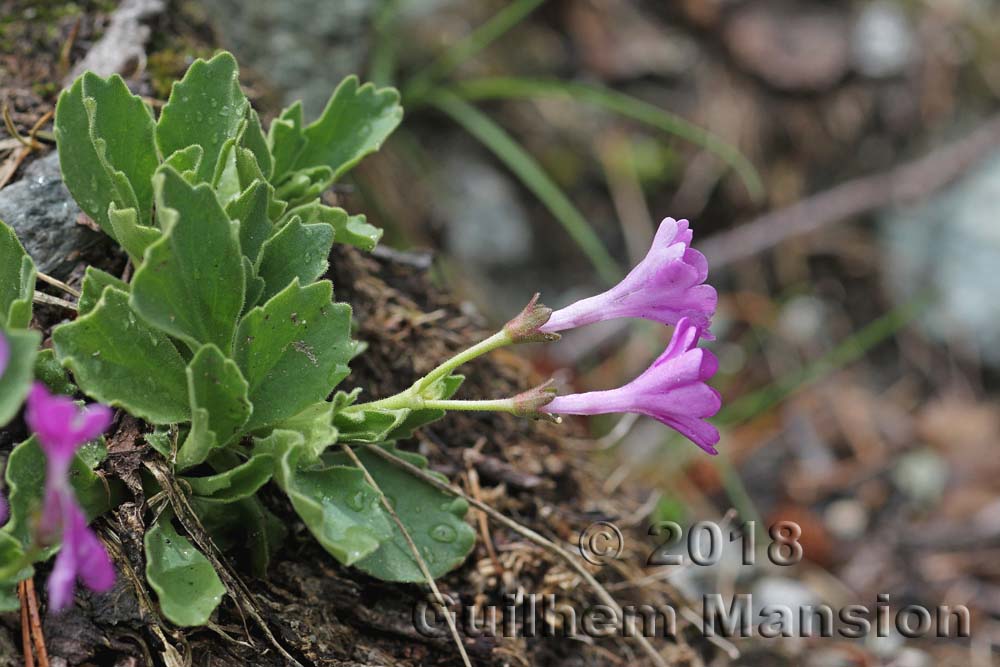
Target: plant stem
{"points": [[498, 405], [410, 398], [494, 342]]}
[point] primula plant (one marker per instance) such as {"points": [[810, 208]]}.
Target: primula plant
{"points": [[229, 349]]}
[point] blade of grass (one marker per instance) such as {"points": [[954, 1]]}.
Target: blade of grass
{"points": [[534, 178], [473, 43], [382, 67], [622, 104], [849, 350]]}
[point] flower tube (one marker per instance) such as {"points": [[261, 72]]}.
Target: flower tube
{"points": [[673, 390]]}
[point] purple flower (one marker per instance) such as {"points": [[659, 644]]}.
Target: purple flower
{"points": [[62, 428], [665, 286], [4, 353], [672, 390]]}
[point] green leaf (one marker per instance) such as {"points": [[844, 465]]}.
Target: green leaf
{"points": [[186, 162], [94, 282], [256, 142], [191, 283], [118, 359], [315, 425], [355, 122], [245, 525], [338, 507], [25, 477], [252, 210], [14, 567], [305, 185], [132, 236], [219, 405], [255, 285], [161, 438], [235, 484], [17, 281], [296, 251], [121, 127], [370, 426], [205, 108], [185, 582], [226, 181], [286, 140], [349, 229], [431, 517], [50, 372], [15, 382], [293, 351], [102, 132]]}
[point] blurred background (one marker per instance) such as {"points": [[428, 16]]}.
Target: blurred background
{"points": [[840, 165]]}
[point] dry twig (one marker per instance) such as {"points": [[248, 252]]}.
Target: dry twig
{"points": [[905, 183]]}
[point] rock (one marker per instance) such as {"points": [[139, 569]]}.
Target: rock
{"points": [[882, 43], [304, 48], [949, 246], [922, 475], [122, 48], [485, 223], [846, 519], [44, 216], [794, 46]]}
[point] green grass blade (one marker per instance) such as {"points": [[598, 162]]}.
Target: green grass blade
{"points": [[534, 178], [466, 48], [620, 103], [848, 351]]}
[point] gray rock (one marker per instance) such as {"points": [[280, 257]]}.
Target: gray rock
{"points": [[44, 216], [304, 47], [882, 42], [950, 246]]}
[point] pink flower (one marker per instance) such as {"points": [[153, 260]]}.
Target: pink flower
{"points": [[62, 428], [665, 286], [4, 353], [672, 390]]}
